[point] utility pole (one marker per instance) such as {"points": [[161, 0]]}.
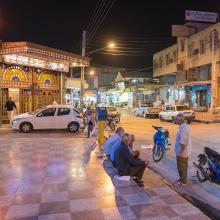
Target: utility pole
{"points": [[82, 70]]}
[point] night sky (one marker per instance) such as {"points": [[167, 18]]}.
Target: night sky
{"points": [[142, 27]]}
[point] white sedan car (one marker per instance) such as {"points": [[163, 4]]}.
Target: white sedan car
{"points": [[49, 117], [139, 112]]}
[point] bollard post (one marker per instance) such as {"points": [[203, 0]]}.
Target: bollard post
{"points": [[101, 132], [101, 116]]}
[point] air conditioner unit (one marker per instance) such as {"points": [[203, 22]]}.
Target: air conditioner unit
{"points": [[195, 52]]}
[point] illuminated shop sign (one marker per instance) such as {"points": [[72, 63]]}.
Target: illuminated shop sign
{"points": [[29, 61]]}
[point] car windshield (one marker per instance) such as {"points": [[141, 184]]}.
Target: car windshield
{"points": [[36, 111], [111, 109], [182, 107]]}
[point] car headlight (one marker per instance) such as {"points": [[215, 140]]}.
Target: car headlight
{"points": [[15, 120]]}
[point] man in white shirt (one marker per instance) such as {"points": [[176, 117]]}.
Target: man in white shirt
{"points": [[182, 148], [116, 137]]}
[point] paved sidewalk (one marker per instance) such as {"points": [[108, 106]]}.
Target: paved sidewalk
{"points": [[59, 178]]}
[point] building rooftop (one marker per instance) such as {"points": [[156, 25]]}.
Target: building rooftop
{"points": [[31, 54]]}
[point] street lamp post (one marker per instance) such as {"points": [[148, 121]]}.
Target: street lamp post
{"points": [[111, 45], [82, 70]]}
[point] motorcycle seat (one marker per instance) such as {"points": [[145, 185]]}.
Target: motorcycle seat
{"points": [[212, 153], [156, 127]]}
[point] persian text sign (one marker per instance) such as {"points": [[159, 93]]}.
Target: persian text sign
{"points": [[39, 63], [201, 16]]}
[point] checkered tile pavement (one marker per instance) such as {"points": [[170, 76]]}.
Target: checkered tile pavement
{"points": [[60, 179]]}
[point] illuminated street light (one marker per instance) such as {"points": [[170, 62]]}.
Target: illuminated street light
{"points": [[110, 46], [91, 73]]}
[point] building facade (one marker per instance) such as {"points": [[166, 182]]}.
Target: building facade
{"points": [[194, 61], [33, 75]]}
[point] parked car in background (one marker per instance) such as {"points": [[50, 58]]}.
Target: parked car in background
{"points": [[152, 112], [170, 113], [49, 117], [140, 111]]}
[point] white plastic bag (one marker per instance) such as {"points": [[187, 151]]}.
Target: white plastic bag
{"points": [[86, 130], [94, 132], [122, 178]]}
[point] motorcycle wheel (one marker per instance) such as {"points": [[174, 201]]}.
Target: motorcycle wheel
{"points": [[200, 174], [112, 126], [158, 152]]}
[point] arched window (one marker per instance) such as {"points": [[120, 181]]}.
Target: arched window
{"points": [[15, 78]]}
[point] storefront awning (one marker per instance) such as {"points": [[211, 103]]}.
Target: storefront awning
{"points": [[71, 83], [194, 83]]}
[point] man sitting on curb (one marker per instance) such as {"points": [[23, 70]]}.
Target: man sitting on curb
{"points": [[114, 139], [126, 164], [135, 153], [115, 146]]}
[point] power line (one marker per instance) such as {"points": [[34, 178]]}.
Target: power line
{"points": [[95, 16], [104, 14]]}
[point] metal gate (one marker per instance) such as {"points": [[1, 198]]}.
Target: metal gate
{"points": [[3, 100], [26, 101]]}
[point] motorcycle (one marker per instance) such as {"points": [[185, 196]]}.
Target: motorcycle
{"points": [[114, 118], [160, 143], [111, 124], [208, 167]]}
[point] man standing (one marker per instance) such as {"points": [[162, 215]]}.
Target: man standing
{"points": [[10, 107], [182, 148], [125, 162]]}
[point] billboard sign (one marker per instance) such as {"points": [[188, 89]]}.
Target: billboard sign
{"points": [[180, 31], [201, 16]]}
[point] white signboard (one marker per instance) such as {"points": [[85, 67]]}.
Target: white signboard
{"points": [[180, 31], [201, 16]]}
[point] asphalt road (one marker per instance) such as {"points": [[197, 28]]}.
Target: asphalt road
{"points": [[201, 134]]}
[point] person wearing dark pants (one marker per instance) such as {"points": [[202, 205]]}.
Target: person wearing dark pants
{"points": [[182, 167], [183, 149], [136, 171], [125, 162], [90, 119]]}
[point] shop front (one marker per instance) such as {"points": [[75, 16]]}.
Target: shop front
{"points": [[118, 98], [72, 91], [201, 97], [33, 75], [197, 96]]}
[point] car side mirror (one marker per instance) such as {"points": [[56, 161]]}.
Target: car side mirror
{"points": [[39, 115]]}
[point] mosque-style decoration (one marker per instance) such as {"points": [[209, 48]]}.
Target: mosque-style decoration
{"points": [[46, 79], [15, 74]]}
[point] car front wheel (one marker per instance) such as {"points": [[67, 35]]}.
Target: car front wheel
{"points": [[73, 127], [161, 118], [26, 127]]}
